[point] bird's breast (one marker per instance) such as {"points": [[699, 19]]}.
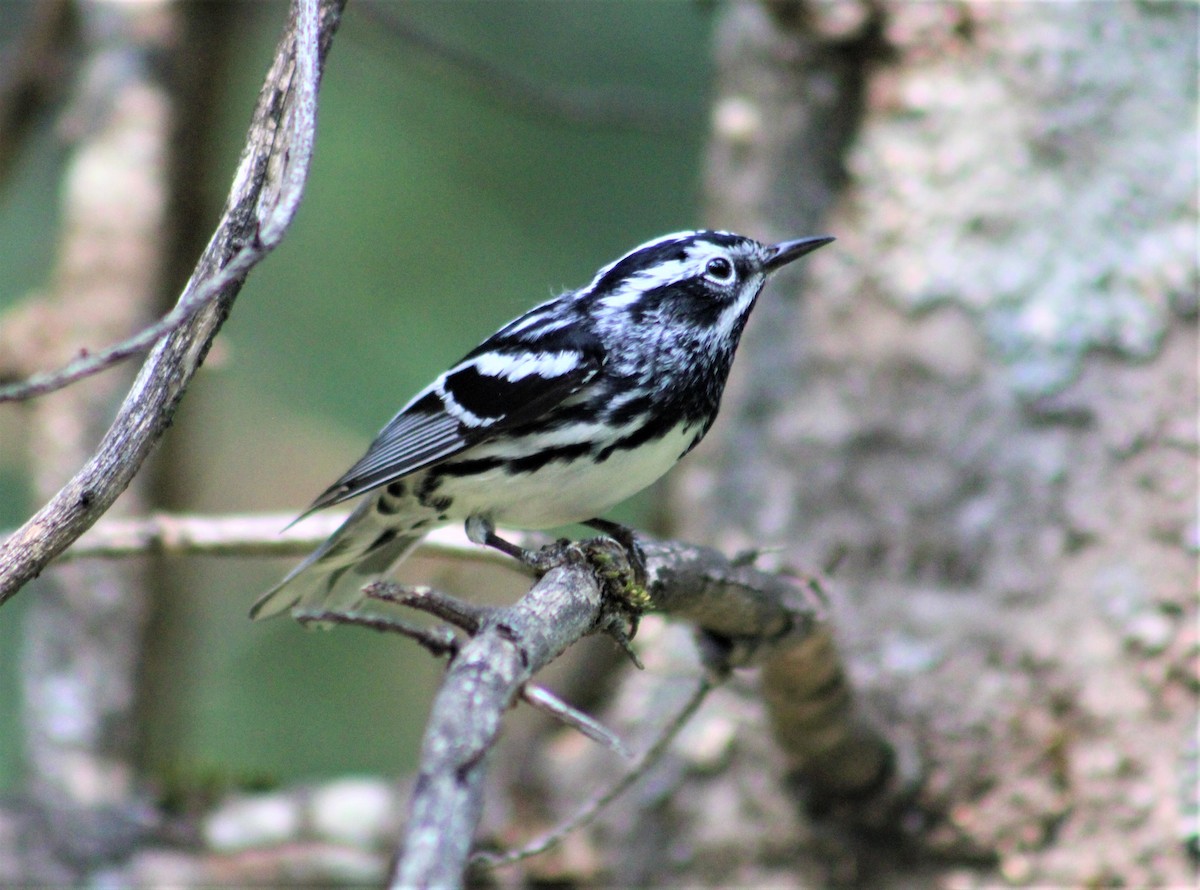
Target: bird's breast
{"points": [[513, 490]]}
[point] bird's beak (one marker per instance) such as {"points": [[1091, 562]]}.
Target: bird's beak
{"points": [[785, 251]]}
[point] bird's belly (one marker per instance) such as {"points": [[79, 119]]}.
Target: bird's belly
{"points": [[562, 492]]}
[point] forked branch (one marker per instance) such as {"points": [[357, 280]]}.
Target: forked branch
{"points": [[744, 616], [262, 202]]}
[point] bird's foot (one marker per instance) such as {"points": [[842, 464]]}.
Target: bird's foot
{"points": [[621, 570], [617, 560], [627, 538]]}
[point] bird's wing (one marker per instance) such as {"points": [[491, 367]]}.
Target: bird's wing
{"points": [[500, 385]]}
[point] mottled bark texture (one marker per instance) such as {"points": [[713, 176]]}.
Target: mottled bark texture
{"points": [[981, 412]]}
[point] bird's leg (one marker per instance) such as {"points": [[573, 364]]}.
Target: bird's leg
{"points": [[623, 579], [482, 531], [627, 538]]}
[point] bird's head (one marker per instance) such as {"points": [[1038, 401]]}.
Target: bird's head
{"points": [[705, 278]]}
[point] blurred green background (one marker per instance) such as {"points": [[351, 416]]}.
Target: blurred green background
{"points": [[437, 209]]}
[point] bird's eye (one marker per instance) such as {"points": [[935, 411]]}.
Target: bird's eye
{"points": [[719, 270]]}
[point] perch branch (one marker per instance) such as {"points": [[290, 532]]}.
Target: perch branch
{"points": [[482, 681], [777, 621], [439, 641], [748, 616], [266, 192]]}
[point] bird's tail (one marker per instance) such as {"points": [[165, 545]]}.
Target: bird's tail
{"points": [[361, 550]]}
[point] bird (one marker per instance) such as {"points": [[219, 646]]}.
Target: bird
{"points": [[564, 412]]}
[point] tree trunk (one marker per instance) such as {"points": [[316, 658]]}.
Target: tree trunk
{"points": [[981, 417]]}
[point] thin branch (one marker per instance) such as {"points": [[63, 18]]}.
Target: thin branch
{"points": [[442, 641], [549, 703], [460, 613], [260, 534], [749, 617], [590, 810], [439, 641], [88, 363], [266, 191], [624, 107], [480, 684], [178, 534], [287, 180]]}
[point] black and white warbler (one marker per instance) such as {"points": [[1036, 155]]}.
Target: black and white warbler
{"points": [[559, 415]]}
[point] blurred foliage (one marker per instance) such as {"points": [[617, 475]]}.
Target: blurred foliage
{"points": [[473, 159]]}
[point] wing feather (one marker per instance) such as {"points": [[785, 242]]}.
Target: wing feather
{"points": [[488, 392]]}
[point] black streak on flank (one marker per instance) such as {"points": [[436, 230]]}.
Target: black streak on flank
{"points": [[536, 461], [428, 486], [441, 504], [655, 428], [632, 410], [427, 493]]}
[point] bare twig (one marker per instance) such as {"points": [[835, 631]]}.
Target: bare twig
{"points": [[266, 191], [442, 641], [590, 810], [480, 684], [547, 702], [750, 616], [88, 363], [624, 107], [260, 534], [460, 613], [438, 640]]}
